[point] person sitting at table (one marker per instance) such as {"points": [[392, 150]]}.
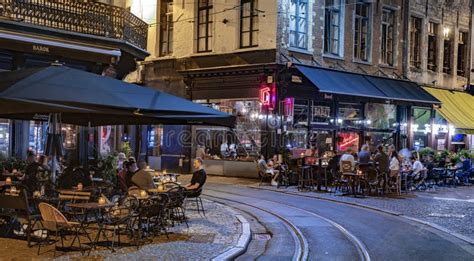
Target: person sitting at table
{"points": [[198, 179], [417, 170], [122, 158], [142, 178], [132, 168], [29, 179], [394, 166], [364, 154], [464, 170], [122, 185], [268, 169], [347, 156], [381, 158]]}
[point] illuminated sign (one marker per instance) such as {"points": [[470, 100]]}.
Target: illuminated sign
{"points": [[265, 96]]}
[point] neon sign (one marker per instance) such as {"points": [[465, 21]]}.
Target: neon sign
{"points": [[265, 96]]}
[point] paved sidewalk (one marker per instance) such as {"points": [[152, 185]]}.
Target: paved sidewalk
{"points": [[206, 238]]}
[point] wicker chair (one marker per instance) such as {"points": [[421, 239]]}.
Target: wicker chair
{"points": [[54, 221]]}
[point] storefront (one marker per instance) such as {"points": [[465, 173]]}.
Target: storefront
{"points": [[301, 110], [248, 94], [453, 126], [349, 110]]}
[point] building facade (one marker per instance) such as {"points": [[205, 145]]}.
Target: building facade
{"points": [[100, 37], [258, 59]]}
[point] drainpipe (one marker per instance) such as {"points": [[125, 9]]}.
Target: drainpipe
{"points": [[406, 19], [469, 65]]}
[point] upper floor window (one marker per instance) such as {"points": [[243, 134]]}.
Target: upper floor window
{"points": [[248, 23], [204, 26], [462, 53], [387, 46], [166, 27], [332, 27], [432, 46], [362, 27], [299, 24], [415, 42], [447, 49]]}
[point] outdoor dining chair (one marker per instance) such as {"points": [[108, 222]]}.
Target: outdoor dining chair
{"points": [[54, 222], [15, 206], [119, 221], [196, 197]]}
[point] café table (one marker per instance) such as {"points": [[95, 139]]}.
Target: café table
{"points": [[87, 208]]}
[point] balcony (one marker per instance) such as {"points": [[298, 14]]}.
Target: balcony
{"points": [[85, 17]]}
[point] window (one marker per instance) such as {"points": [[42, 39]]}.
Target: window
{"points": [[248, 23], [204, 26], [362, 31], [387, 48], [166, 27], [332, 27], [462, 52], [447, 49], [432, 46], [415, 42], [299, 24]]}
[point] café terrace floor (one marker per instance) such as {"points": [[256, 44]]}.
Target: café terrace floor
{"points": [[207, 237]]}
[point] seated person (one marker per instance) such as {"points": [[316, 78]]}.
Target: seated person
{"points": [[142, 178], [268, 169], [198, 179], [347, 156], [417, 170], [364, 155], [121, 177], [132, 168], [29, 179]]}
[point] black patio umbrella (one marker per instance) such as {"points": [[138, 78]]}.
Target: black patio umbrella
{"points": [[64, 95], [61, 85], [88, 99]]}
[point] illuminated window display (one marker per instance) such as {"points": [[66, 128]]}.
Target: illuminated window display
{"points": [[4, 137]]}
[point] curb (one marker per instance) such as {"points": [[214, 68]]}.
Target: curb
{"points": [[386, 211], [242, 243]]}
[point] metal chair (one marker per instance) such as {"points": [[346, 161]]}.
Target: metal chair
{"points": [[14, 204], [196, 195]]}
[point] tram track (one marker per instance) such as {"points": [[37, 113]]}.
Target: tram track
{"points": [[301, 244], [357, 244]]}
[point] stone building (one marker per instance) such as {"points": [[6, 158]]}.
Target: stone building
{"points": [[231, 54]]}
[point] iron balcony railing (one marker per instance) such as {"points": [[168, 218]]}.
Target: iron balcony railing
{"points": [[81, 16]]}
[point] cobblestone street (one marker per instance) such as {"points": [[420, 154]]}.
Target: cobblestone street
{"points": [[452, 208], [206, 237]]}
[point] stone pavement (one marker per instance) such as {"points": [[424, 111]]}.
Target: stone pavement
{"points": [[451, 208], [455, 214], [206, 238]]}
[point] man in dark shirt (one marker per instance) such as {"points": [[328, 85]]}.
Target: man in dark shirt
{"points": [[30, 179], [199, 177], [382, 159], [132, 168]]}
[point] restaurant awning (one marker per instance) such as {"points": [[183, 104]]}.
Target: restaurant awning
{"points": [[355, 84], [457, 108]]}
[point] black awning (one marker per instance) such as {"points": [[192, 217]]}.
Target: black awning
{"points": [[354, 84]]}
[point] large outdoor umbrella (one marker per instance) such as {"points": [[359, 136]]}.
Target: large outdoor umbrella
{"points": [[64, 95], [89, 99]]}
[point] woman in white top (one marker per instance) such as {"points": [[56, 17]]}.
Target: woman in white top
{"points": [[394, 164]]}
